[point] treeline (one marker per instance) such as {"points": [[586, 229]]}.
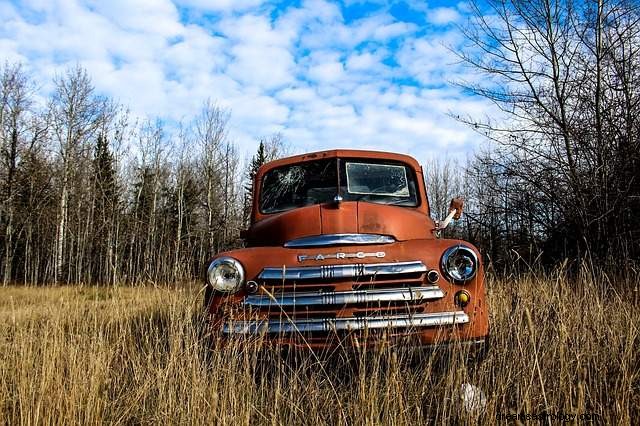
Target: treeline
{"points": [[90, 195], [561, 178]]}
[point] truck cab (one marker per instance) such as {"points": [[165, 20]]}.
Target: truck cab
{"points": [[342, 250]]}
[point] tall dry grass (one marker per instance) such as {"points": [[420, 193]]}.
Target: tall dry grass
{"points": [[135, 355]]}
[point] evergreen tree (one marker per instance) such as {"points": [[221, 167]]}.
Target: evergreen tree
{"points": [[105, 208], [256, 161]]}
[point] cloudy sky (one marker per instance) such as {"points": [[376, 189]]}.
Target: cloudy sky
{"points": [[326, 74]]}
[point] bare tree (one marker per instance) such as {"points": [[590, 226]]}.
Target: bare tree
{"points": [[210, 133], [565, 77], [74, 115], [88, 197], [15, 130]]}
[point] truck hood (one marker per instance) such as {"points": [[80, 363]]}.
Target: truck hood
{"points": [[402, 223]]}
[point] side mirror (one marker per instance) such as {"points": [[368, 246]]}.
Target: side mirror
{"points": [[455, 211], [456, 204]]}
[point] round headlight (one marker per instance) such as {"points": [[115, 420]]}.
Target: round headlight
{"points": [[225, 274], [459, 264]]}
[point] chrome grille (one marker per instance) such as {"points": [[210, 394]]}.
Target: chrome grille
{"points": [[354, 270], [322, 298], [314, 298]]}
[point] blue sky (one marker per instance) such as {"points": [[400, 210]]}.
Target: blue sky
{"points": [[358, 74]]}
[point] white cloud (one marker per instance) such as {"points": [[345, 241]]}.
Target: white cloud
{"points": [[327, 72], [296, 95], [305, 71], [266, 67], [150, 16], [432, 60], [364, 61], [195, 54], [443, 15], [221, 5], [260, 54], [396, 29], [368, 65]]}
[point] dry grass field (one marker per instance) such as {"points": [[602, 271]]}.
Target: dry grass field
{"points": [[78, 355]]}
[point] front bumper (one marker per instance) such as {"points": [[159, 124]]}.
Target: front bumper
{"points": [[286, 325]]}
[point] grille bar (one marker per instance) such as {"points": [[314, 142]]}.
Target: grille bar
{"points": [[341, 271], [314, 298], [341, 324]]}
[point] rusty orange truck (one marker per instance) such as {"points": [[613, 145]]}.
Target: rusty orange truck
{"points": [[342, 249]]}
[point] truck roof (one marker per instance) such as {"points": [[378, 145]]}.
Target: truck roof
{"points": [[342, 153]]}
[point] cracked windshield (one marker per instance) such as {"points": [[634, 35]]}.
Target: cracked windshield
{"points": [[316, 182]]}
